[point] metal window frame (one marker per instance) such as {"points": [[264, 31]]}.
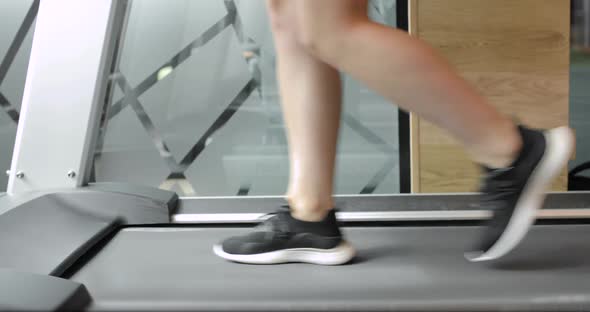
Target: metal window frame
{"points": [[403, 117]]}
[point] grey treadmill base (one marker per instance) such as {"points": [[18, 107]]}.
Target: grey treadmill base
{"points": [[47, 233], [416, 269], [35, 292], [167, 198]]}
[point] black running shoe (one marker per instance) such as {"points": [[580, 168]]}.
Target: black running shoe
{"points": [[514, 194], [282, 238]]}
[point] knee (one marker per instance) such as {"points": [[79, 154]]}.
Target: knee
{"points": [[327, 40]]}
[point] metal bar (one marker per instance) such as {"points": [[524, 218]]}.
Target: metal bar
{"points": [[174, 62], [370, 203], [119, 38], [148, 124], [225, 116], [379, 177], [586, 195], [17, 42], [64, 93], [383, 216], [367, 133], [8, 108], [244, 190], [245, 41], [379, 143]]}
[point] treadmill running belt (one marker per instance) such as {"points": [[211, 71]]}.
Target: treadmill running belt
{"points": [[399, 268]]}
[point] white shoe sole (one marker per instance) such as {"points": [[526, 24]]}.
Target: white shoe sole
{"points": [[560, 142], [341, 254]]}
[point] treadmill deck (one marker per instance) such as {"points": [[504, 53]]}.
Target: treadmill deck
{"points": [[397, 268]]}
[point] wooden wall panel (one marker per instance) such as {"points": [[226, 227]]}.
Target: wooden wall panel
{"points": [[515, 52]]}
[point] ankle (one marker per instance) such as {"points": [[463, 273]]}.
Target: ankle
{"points": [[500, 150], [310, 210]]}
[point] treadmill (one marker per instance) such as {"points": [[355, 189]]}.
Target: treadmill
{"points": [[114, 247], [69, 244]]}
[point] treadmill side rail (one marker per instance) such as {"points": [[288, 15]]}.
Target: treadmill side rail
{"points": [[163, 197], [47, 234]]}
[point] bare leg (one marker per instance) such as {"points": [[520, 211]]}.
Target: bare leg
{"points": [[408, 72], [309, 35], [311, 98]]}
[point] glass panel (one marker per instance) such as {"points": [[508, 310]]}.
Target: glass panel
{"points": [[16, 36], [579, 82], [206, 120]]}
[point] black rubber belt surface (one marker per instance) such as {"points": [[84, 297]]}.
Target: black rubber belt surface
{"points": [[397, 269]]}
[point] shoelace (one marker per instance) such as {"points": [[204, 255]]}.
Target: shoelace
{"points": [[276, 223]]}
